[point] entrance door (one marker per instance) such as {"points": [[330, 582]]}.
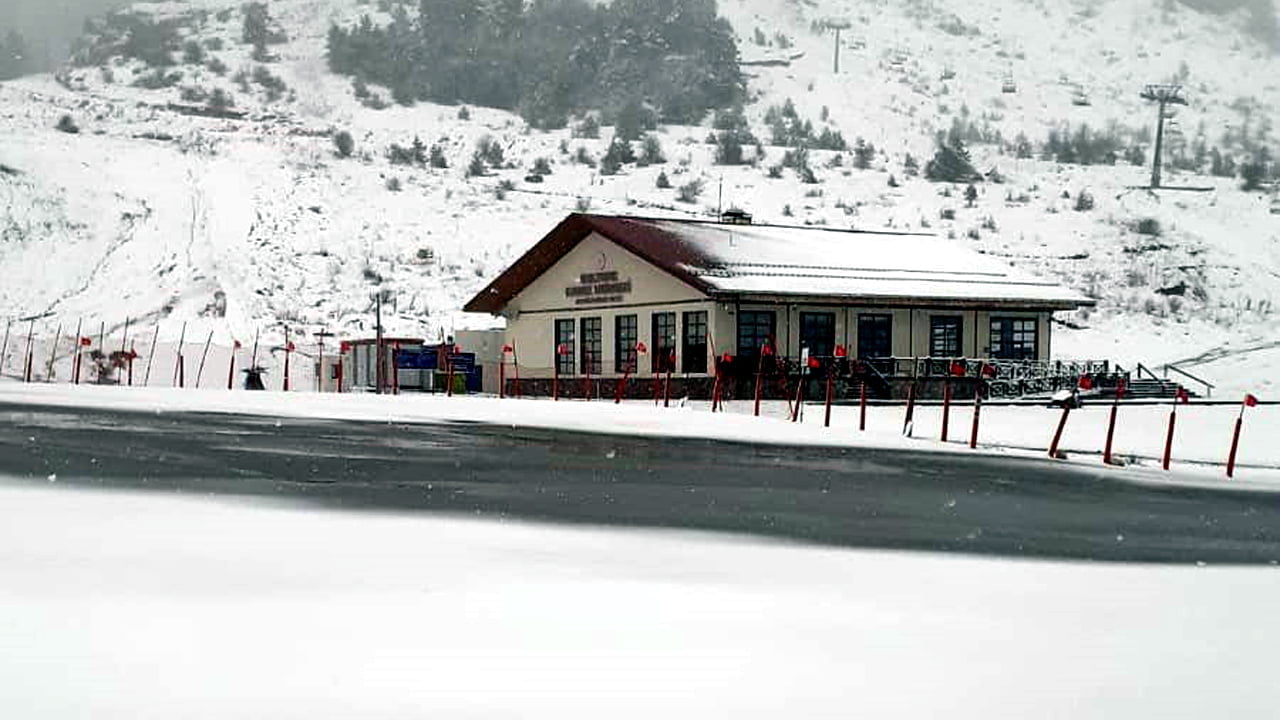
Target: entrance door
{"points": [[875, 336], [818, 333]]}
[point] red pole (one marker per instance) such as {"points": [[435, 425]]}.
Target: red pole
{"points": [[946, 410], [555, 381], [666, 385], [622, 384], [715, 389], [1168, 440], [862, 407], [1235, 445], [231, 366], [826, 420], [286, 359], [1057, 435], [448, 364], [502, 377], [759, 380], [1111, 431], [977, 412], [907, 422], [182, 371]]}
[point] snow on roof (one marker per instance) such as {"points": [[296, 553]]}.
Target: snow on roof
{"points": [[777, 260], [725, 259]]}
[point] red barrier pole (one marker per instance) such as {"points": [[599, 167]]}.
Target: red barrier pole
{"points": [[1168, 440], [795, 409], [555, 381], [666, 385], [909, 420], [715, 390], [586, 378], [340, 374], [1111, 432], [759, 379], [231, 367], [182, 372], [133, 354], [862, 407], [622, 385], [502, 377], [30, 359], [977, 412], [826, 420], [1057, 435], [946, 410], [1235, 445], [287, 349], [515, 368]]}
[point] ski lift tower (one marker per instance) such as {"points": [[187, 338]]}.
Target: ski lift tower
{"points": [[1164, 95], [838, 24]]}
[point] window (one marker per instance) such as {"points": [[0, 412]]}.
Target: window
{"points": [[875, 336], [626, 334], [755, 328], [591, 345], [564, 336], [944, 336], [818, 333], [663, 346], [694, 352], [1013, 338]]}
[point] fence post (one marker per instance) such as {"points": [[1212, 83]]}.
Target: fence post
{"points": [[908, 422], [1168, 439], [1057, 435], [946, 409]]}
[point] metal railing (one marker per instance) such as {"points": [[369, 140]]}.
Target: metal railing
{"points": [[1208, 386]]}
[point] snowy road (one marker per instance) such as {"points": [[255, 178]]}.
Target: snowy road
{"points": [[885, 498]]}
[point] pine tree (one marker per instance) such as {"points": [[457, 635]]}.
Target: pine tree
{"points": [[951, 164]]}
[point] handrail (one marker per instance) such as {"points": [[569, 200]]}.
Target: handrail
{"points": [[1143, 368], [1208, 386]]}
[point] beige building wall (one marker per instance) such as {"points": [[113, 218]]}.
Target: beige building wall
{"points": [[629, 286], [600, 279]]}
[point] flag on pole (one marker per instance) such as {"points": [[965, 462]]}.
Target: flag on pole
{"points": [[641, 348], [86, 342], [1183, 396], [1250, 400]]}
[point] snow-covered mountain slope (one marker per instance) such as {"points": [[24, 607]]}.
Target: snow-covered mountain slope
{"points": [[250, 219]]}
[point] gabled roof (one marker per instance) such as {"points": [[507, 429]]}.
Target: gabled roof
{"points": [[731, 260]]}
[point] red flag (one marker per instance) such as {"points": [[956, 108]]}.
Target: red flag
{"points": [[86, 342], [457, 349], [989, 371], [841, 351], [766, 350], [957, 369], [507, 349], [1250, 400], [1183, 396], [562, 349], [1086, 382], [133, 354], [344, 347], [815, 362], [290, 347], [726, 358], [236, 344], [641, 348]]}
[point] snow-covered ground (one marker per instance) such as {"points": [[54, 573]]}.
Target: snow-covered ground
{"points": [[122, 605], [1202, 440]]}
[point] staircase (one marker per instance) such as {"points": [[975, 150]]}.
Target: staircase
{"points": [[1153, 389]]}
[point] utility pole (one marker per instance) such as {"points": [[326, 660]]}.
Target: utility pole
{"points": [[1162, 95], [838, 25]]}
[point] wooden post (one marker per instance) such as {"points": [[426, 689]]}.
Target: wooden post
{"points": [[862, 406], [1235, 445], [31, 340], [4, 348]]}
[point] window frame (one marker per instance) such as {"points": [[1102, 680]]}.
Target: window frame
{"points": [[693, 355], [1013, 332], [626, 334], [943, 341], [659, 349], [591, 345], [867, 319], [829, 348], [564, 363], [753, 350]]}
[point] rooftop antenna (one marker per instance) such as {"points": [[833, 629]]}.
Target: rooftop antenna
{"points": [[1163, 95]]}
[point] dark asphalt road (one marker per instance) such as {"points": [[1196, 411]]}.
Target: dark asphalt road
{"points": [[848, 497]]}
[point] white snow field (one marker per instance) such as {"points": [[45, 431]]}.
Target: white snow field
{"points": [[1202, 438], [155, 606]]}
